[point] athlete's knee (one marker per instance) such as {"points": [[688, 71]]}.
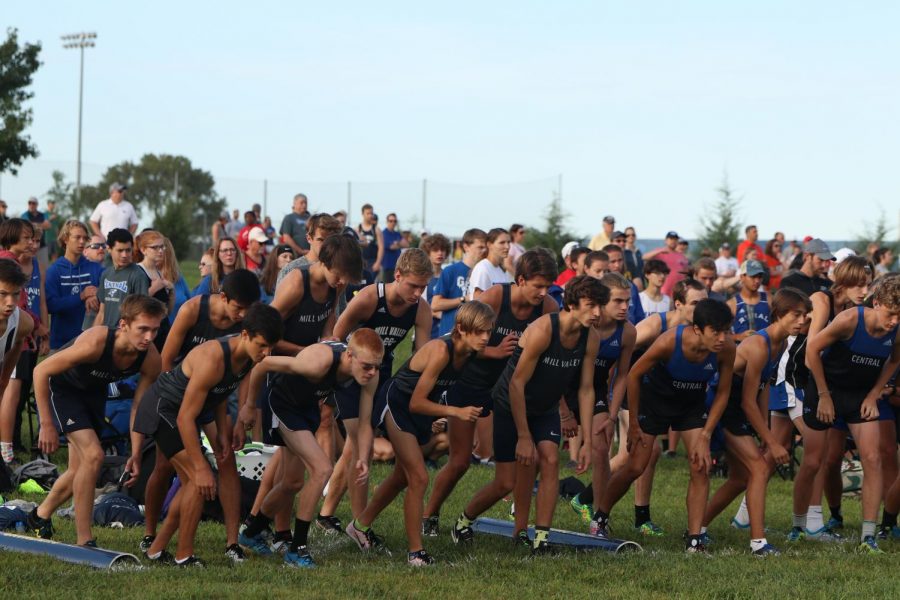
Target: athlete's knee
{"points": [[870, 458], [458, 465], [92, 457], [417, 478], [321, 473]]}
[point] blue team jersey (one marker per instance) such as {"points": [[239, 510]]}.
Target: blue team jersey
{"points": [[451, 284]]}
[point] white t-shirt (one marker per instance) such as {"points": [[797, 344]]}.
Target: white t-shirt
{"points": [[652, 306], [726, 265], [114, 216], [484, 275]]}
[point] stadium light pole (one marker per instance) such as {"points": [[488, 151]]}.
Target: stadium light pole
{"points": [[81, 41]]}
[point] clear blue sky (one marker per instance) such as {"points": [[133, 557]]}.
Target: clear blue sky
{"points": [[640, 105]]}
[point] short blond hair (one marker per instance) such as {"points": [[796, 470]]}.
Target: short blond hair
{"points": [[415, 262]]}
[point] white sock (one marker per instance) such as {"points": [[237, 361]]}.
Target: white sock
{"points": [[742, 516], [757, 544], [814, 520], [6, 449], [799, 521], [703, 530]]}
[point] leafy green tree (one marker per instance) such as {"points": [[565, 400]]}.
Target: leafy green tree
{"points": [[67, 204], [17, 67], [720, 221], [555, 234], [152, 186]]}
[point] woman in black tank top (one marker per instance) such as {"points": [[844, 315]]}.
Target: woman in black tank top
{"points": [[516, 305], [407, 409]]}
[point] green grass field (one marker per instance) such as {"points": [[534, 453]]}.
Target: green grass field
{"points": [[493, 568]]}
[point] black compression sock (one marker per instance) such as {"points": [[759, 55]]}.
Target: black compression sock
{"points": [[836, 512], [586, 496], [258, 523], [283, 536], [601, 517], [641, 515], [889, 519], [301, 533]]}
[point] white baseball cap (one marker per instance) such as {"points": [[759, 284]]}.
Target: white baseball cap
{"points": [[567, 249], [843, 253]]}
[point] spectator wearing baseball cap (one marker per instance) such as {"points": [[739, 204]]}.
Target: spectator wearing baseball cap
{"points": [[114, 213], [811, 277], [573, 254], [255, 255], [605, 237], [677, 262]]}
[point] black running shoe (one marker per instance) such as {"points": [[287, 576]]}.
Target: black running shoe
{"points": [[190, 561], [146, 542], [90, 544], [164, 558], [330, 524], [235, 553], [462, 534], [542, 547], [521, 539], [420, 559], [40, 527], [430, 526]]}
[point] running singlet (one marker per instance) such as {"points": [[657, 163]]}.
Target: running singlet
{"points": [[298, 391], [203, 330], [9, 336], [370, 250], [171, 385], [770, 367], [33, 288], [405, 380], [855, 364], [483, 373], [610, 350], [553, 374], [95, 377], [304, 326], [390, 329], [751, 317], [678, 378]]}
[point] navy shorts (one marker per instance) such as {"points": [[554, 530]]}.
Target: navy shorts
{"points": [[734, 420], [397, 404], [847, 404], [462, 395], [74, 410], [656, 414], [543, 428], [601, 404], [283, 410], [168, 439], [346, 401]]}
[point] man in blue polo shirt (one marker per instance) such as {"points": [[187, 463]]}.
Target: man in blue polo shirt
{"points": [[393, 246], [450, 292]]}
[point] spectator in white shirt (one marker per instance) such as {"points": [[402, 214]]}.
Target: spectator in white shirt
{"points": [[114, 213], [726, 265], [490, 270]]}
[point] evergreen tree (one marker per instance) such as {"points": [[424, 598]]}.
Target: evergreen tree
{"points": [[555, 234], [878, 232], [720, 221]]}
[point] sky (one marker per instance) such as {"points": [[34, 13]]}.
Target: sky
{"points": [[641, 107]]}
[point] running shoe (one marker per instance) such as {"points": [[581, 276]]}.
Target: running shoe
{"points": [[796, 534], [869, 546], [521, 539], [430, 526], [190, 561], [235, 553], [462, 534], [146, 542], [585, 511], [40, 527], [695, 545], [299, 559], [834, 523], [767, 550], [706, 539], [420, 559], [90, 544], [542, 547], [738, 525], [888, 533], [279, 542], [366, 540], [650, 529], [330, 524], [163, 558], [824, 535], [256, 544], [600, 528]]}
